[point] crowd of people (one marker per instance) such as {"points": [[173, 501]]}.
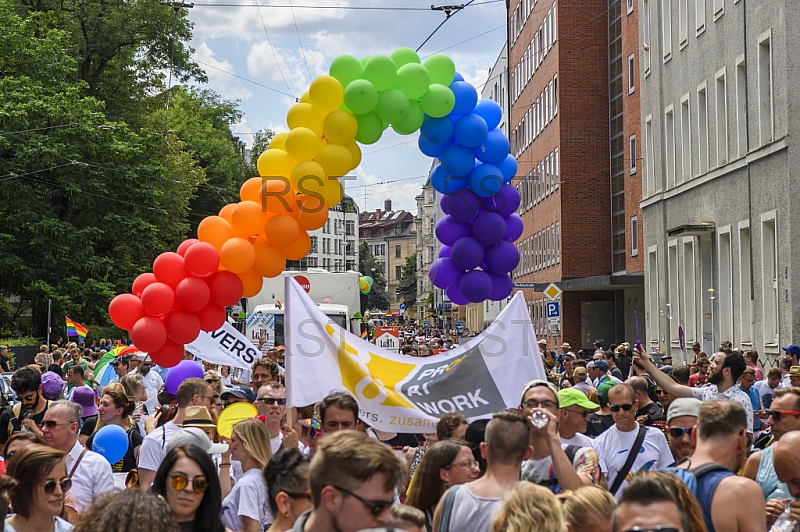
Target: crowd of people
{"points": [[610, 441]]}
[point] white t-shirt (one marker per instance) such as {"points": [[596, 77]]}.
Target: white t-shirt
{"points": [[542, 472], [154, 446], [613, 447], [581, 440], [734, 393], [766, 393], [248, 498]]}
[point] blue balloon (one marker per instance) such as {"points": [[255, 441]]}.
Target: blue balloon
{"points": [[494, 148], [504, 202], [455, 296], [466, 97], [444, 273], [436, 130], [457, 77], [490, 111], [431, 150], [185, 369], [486, 180], [471, 130], [503, 257], [463, 205], [444, 252], [447, 184], [111, 442], [508, 167], [458, 160]]}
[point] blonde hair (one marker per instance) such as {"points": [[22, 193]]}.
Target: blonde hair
{"points": [[526, 507], [584, 507], [255, 438]]}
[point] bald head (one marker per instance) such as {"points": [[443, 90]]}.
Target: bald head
{"points": [[787, 461]]}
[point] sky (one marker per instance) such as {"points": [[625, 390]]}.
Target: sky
{"points": [[265, 53]]}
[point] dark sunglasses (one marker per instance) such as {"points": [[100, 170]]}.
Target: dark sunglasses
{"points": [[615, 408], [50, 485], [212, 381], [376, 508], [656, 528], [179, 482], [272, 400], [778, 414], [51, 423], [297, 495], [678, 432], [315, 433]]}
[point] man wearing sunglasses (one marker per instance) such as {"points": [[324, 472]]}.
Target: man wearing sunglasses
{"points": [[271, 404], [27, 384], [615, 445], [573, 412], [352, 480], [681, 419]]}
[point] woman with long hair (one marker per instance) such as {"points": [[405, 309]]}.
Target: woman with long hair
{"points": [[289, 492], [38, 497], [446, 463], [115, 409], [131, 511], [245, 507], [187, 479]]}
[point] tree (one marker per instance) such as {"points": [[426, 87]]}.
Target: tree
{"points": [[378, 297], [261, 142], [408, 282]]}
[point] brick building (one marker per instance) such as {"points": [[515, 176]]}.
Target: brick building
{"points": [[573, 120]]}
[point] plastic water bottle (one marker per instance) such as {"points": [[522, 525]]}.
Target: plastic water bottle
{"points": [[784, 523], [539, 420]]}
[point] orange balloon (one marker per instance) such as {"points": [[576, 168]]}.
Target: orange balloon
{"points": [[227, 212], [282, 230], [278, 195], [237, 255], [312, 212], [300, 248], [270, 261], [252, 281], [215, 230], [251, 189], [248, 218]]}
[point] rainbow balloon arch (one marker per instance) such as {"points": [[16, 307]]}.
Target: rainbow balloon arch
{"points": [[299, 179]]}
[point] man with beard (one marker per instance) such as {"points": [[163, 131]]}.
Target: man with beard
{"points": [[681, 420], [29, 412], [152, 381], [724, 372]]}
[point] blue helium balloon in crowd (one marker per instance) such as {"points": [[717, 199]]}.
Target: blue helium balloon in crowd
{"points": [[111, 442]]}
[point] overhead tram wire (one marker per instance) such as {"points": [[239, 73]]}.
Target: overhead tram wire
{"points": [[449, 11], [245, 79], [346, 8], [302, 50], [271, 47]]}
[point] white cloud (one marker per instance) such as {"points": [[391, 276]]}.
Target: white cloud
{"points": [[285, 66], [228, 86]]}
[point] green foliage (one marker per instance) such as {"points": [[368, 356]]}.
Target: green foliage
{"points": [[97, 332], [22, 341], [261, 142], [408, 282], [378, 297]]}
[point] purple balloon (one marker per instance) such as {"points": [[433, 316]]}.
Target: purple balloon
{"points": [[463, 205], [475, 285], [444, 252], [514, 227], [185, 369], [448, 230], [501, 286], [443, 204], [467, 253], [444, 273], [503, 257], [455, 296], [505, 202], [489, 228]]}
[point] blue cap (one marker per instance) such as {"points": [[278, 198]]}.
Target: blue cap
{"points": [[793, 349], [241, 391]]}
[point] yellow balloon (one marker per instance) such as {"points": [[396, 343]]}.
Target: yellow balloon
{"points": [[308, 175], [335, 159], [332, 193], [305, 98], [232, 415], [278, 142], [302, 144], [305, 115], [355, 151], [275, 163], [340, 127], [326, 93]]}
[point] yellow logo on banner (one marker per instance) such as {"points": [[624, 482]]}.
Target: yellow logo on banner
{"points": [[370, 376]]}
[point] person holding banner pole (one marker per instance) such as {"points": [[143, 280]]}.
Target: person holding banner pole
{"points": [[271, 405]]}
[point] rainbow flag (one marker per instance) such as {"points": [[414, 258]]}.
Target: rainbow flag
{"points": [[76, 329], [364, 335]]}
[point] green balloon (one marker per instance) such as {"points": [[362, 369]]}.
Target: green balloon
{"points": [[392, 105], [413, 79], [381, 71], [346, 68], [360, 96], [364, 60], [403, 56], [438, 101], [370, 128], [441, 68], [369, 280], [413, 120]]}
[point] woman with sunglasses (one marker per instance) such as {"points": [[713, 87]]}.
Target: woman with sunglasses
{"points": [[445, 464], [187, 479], [213, 379], [289, 492], [245, 507], [38, 498]]}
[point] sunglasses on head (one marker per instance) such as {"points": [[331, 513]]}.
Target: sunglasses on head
{"points": [[376, 508], [50, 485], [179, 482], [626, 407], [272, 400], [678, 432], [778, 414]]}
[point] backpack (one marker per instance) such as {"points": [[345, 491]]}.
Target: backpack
{"points": [[706, 495]]}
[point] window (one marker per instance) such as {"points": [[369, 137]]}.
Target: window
{"points": [[745, 273], [686, 140], [558, 242], [630, 6], [673, 305], [683, 23], [398, 250], [555, 168], [666, 29], [725, 292], [765, 114], [631, 73], [555, 95], [632, 153], [398, 272], [669, 136], [653, 314], [431, 226], [719, 8], [690, 322], [741, 107], [722, 119], [702, 128], [769, 281], [313, 248], [634, 236], [650, 163], [646, 37], [700, 16]]}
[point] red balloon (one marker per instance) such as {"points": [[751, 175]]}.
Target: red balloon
{"points": [[182, 327], [148, 334], [125, 310], [141, 282], [201, 260], [158, 299], [169, 355], [169, 268], [192, 294], [185, 245], [211, 318], [226, 289]]}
